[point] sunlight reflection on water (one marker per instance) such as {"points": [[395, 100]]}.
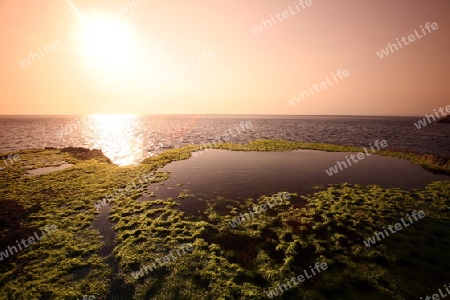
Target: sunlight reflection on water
{"points": [[128, 139], [115, 136]]}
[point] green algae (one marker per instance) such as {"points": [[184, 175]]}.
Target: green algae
{"points": [[64, 198], [226, 263]]}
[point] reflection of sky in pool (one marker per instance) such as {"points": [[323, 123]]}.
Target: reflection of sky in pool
{"points": [[241, 175]]}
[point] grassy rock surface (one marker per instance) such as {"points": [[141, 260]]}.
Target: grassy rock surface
{"points": [[226, 263]]}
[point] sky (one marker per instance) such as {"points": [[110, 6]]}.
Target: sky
{"points": [[72, 57]]}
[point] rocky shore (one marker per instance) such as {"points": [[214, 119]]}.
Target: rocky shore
{"points": [[245, 262], [445, 120]]}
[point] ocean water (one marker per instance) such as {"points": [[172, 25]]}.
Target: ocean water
{"points": [[128, 139]]}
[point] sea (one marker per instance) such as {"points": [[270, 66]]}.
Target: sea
{"points": [[128, 139]]}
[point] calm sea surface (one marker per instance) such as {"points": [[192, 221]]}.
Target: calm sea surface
{"points": [[127, 139]]}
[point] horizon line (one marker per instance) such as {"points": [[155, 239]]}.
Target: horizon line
{"points": [[201, 114]]}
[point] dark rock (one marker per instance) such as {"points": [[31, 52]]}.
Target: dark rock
{"points": [[85, 154], [439, 160], [445, 120]]}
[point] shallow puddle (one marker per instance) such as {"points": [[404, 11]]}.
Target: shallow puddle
{"points": [[105, 227], [241, 175]]}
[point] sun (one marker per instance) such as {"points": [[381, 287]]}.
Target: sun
{"points": [[109, 44]]}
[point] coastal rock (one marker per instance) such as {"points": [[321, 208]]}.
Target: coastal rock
{"points": [[445, 120], [439, 160], [85, 154], [440, 164]]}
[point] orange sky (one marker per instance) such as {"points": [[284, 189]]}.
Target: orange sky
{"points": [[119, 59]]}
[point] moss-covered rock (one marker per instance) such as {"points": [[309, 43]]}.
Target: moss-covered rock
{"points": [[226, 262]]}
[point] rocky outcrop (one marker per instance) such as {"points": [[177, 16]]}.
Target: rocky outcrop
{"points": [[445, 120], [439, 160], [85, 154]]}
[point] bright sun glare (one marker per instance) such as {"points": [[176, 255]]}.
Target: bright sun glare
{"points": [[114, 133], [112, 120], [109, 43]]}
